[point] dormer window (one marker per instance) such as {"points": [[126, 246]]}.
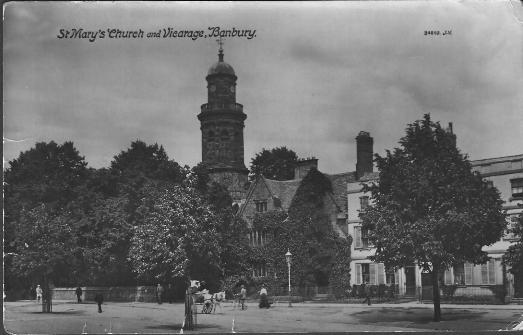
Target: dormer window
{"points": [[261, 206]]}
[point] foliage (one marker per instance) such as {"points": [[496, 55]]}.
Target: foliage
{"points": [[429, 207], [339, 278], [277, 164], [307, 233], [514, 255], [448, 290], [315, 245], [102, 239], [177, 237], [46, 174], [38, 187], [45, 243], [142, 161]]}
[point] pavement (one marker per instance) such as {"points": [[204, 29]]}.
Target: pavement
{"points": [[25, 317]]}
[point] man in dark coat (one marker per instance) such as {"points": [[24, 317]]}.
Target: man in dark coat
{"points": [[99, 298], [79, 294], [366, 292]]}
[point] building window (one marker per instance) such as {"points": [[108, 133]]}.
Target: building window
{"points": [[488, 273], [259, 238], [261, 206], [390, 277], [370, 273], [459, 274], [512, 221], [517, 187], [361, 238], [364, 202], [259, 271], [365, 273]]}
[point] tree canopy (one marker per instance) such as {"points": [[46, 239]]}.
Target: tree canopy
{"points": [[277, 164], [177, 237], [429, 207]]}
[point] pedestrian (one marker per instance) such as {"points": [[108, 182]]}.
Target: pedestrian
{"points": [[39, 293], [169, 292], [159, 293], [366, 290], [264, 302], [79, 294], [243, 296], [99, 298]]}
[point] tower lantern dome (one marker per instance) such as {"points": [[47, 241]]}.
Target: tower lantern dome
{"points": [[221, 67]]}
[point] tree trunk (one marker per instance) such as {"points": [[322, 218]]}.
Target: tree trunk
{"points": [[47, 296], [435, 292]]}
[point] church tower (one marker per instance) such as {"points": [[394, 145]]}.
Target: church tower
{"points": [[222, 122]]}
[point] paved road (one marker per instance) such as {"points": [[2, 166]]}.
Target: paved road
{"points": [[72, 318]]}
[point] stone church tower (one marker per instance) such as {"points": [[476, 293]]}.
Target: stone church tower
{"points": [[222, 122]]}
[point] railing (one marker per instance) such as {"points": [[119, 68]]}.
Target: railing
{"points": [[235, 107]]}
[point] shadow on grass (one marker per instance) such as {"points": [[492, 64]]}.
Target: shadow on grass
{"points": [[178, 326], [417, 316], [59, 313]]}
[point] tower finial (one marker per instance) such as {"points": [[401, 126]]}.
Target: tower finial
{"points": [[220, 51]]}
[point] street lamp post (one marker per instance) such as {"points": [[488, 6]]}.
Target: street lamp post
{"points": [[288, 257]]}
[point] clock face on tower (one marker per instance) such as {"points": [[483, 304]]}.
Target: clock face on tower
{"points": [[212, 88], [232, 89]]}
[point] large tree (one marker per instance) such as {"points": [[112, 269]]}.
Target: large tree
{"points": [[177, 237], [429, 207], [45, 247], [47, 174], [277, 163], [39, 186]]}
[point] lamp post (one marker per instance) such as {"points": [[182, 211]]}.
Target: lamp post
{"points": [[288, 257]]}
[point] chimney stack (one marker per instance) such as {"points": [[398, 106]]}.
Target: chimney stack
{"points": [[303, 167], [364, 150]]}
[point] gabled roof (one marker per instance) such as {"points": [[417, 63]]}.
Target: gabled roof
{"points": [[283, 190]]}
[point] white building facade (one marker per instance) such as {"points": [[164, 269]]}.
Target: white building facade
{"points": [[490, 279]]}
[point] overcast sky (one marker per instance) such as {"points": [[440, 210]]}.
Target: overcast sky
{"points": [[314, 76]]}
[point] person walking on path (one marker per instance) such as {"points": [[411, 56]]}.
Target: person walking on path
{"points": [[366, 290], [264, 302], [99, 298], [79, 294], [243, 296], [39, 293], [159, 293]]}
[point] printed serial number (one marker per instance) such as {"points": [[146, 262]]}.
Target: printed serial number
{"points": [[437, 32]]}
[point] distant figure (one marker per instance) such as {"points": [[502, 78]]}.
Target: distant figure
{"points": [[159, 293], [99, 298], [243, 296], [366, 290], [169, 292], [264, 302], [39, 293], [79, 294]]}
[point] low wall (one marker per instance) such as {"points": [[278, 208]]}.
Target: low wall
{"points": [[118, 293]]}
